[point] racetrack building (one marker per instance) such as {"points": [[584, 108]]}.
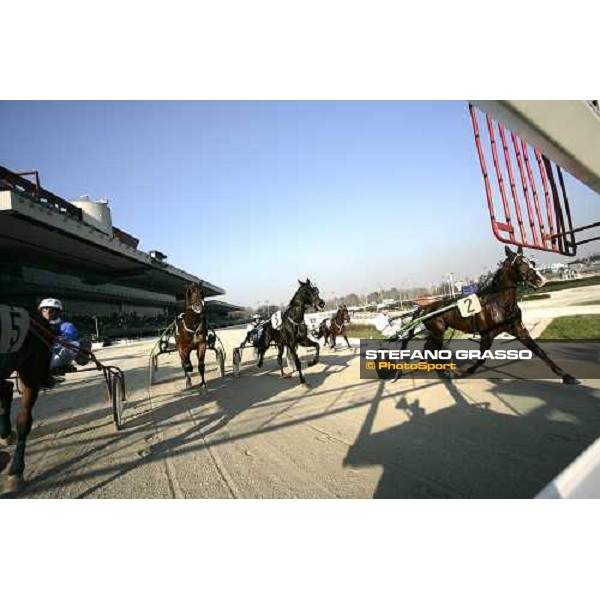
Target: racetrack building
{"points": [[71, 250]]}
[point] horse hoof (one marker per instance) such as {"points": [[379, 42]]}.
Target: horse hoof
{"points": [[203, 390], [570, 380], [14, 484], [188, 383], [286, 375], [9, 440], [306, 384]]}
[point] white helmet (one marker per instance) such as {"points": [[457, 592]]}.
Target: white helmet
{"points": [[51, 303], [256, 317]]}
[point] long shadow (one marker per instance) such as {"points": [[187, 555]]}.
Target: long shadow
{"points": [[464, 450], [467, 450], [229, 403]]}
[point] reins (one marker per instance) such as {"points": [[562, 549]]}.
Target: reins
{"points": [[48, 338]]}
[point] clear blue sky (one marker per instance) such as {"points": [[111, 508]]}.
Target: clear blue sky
{"points": [[253, 195]]}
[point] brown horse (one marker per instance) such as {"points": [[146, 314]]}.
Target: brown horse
{"points": [[30, 359], [336, 326], [500, 313], [192, 332]]}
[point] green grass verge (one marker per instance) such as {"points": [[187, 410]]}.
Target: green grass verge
{"points": [[579, 327], [366, 334]]}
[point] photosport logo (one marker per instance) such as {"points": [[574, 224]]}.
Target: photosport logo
{"points": [[505, 359]]}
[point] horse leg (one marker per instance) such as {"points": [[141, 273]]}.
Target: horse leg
{"points": [[333, 342], [6, 396], [298, 365], [484, 344], [201, 353], [521, 333], [186, 363], [307, 343], [434, 342], [261, 356], [280, 349], [410, 335], [347, 342], [24, 422], [263, 346]]}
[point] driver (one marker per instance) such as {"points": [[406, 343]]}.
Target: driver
{"points": [[253, 330], [62, 356]]}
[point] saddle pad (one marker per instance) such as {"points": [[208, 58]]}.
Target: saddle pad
{"points": [[328, 323], [14, 325], [276, 320]]}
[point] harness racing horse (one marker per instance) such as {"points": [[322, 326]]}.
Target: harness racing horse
{"points": [[293, 331], [499, 313], [192, 333], [331, 328], [24, 348]]}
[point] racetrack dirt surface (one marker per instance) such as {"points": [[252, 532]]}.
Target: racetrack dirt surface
{"points": [[261, 436]]}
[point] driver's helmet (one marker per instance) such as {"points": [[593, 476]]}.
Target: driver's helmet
{"points": [[51, 303], [255, 318]]}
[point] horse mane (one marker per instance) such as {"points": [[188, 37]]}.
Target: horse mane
{"points": [[492, 283], [295, 296]]}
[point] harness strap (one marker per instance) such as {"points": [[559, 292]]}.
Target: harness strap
{"points": [[192, 331]]}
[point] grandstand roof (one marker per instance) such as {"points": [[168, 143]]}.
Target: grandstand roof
{"points": [[218, 306], [42, 230]]}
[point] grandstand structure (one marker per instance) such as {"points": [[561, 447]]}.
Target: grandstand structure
{"points": [[52, 247]]}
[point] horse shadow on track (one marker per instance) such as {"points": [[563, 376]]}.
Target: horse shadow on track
{"points": [[468, 450], [194, 415]]}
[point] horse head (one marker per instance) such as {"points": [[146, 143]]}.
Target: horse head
{"points": [[194, 297], [309, 294], [521, 270], [344, 314]]}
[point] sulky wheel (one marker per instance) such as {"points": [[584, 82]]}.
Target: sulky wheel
{"points": [[237, 360], [152, 369], [117, 396], [221, 361]]}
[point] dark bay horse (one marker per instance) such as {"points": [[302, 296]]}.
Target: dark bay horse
{"points": [[336, 326], [30, 342], [293, 331], [500, 313], [192, 332]]}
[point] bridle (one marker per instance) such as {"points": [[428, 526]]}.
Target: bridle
{"points": [[314, 291], [197, 308]]}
